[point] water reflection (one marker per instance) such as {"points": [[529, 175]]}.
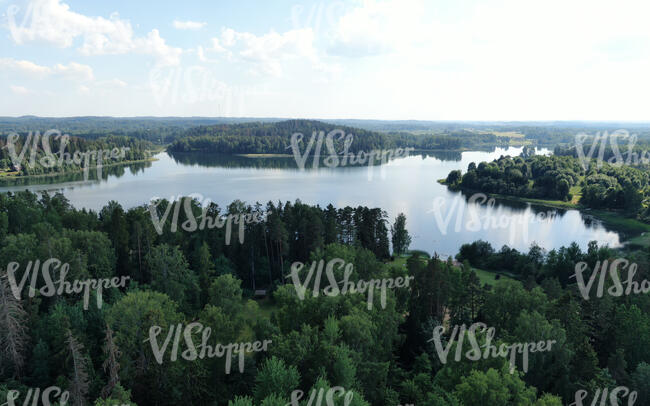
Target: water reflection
{"points": [[282, 162], [92, 176]]}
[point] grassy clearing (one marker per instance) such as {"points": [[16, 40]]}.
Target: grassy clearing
{"points": [[489, 277], [576, 192], [486, 277], [399, 261], [508, 134], [255, 310], [642, 240], [515, 138]]}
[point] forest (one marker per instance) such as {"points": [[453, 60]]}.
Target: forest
{"points": [[384, 356], [266, 138], [600, 186]]}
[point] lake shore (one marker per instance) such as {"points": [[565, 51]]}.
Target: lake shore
{"points": [[613, 219], [6, 177]]}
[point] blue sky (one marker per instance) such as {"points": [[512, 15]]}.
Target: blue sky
{"points": [[375, 59]]}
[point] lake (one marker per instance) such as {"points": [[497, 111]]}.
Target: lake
{"points": [[438, 220]]}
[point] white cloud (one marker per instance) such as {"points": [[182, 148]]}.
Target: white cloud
{"points": [[74, 71], [188, 25], [20, 90], [378, 27], [71, 71], [266, 52], [154, 45], [52, 21], [25, 67]]}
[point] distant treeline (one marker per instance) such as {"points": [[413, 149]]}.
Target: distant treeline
{"points": [[261, 138], [159, 130], [164, 130]]}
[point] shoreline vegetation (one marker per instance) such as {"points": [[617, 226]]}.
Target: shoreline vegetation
{"points": [[7, 176]]}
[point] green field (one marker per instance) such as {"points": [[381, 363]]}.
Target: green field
{"points": [[489, 277]]}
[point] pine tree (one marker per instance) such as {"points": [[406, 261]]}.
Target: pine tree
{"points": [[111, 365], [13, 333], [79, 378]]}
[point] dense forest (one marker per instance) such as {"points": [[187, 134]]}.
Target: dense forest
{"points": [[263, 138], [624, 152], [383, 356], [160, 130], [601, 186]]}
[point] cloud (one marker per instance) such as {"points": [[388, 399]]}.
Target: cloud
{"points": [[188, 25], [52, 22], [25, 67], [112, 83], [19, 90], [74, 71], [154, 45], [377, 27], [266, 52], [71, 71]]}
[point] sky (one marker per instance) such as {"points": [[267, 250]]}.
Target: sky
{"points": [[365, 59]]}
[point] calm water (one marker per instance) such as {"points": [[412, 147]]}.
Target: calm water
{"points": [[407, 185]]}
